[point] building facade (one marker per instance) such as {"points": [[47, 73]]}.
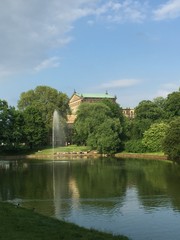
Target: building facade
{"points": [[76, 99], [129, 112]]}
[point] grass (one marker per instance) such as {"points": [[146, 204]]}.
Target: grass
{"points": [[71, 148], [17, 223], [146, 153]]}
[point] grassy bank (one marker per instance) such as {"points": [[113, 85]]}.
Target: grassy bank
{"points": [[71, 148], [154, 155], [23, 224], [74, 150]]}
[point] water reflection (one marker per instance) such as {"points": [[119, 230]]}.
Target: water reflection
{"points": [[138, 198]]}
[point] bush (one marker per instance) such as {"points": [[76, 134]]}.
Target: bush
{"points": [[171, 144], [154, 136], [135, 146]]}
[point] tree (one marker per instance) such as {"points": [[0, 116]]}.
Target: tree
{"points": [[34, 128], [137, 127], [116, 110], [146, 113], [106, 138], [89, 116], [153, 138], [95, 126], [172, 104], [46, 100], [148, 110], [160, 102], [15, 128], [171, 144], [3, 121], [11, 124]]}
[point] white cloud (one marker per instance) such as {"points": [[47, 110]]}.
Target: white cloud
{"points": [[167, 89], [120, 83], [52, 62], [31, 29], [122, 11], [171, 9]]}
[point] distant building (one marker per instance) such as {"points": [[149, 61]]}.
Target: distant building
{"points": [[76, 99], [129, 112]]}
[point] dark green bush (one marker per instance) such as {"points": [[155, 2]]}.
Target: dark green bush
{"points": [[135, 146], [171, 144]]}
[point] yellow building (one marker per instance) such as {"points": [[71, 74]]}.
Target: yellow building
{"points": [[76, 99], [129, 112]]}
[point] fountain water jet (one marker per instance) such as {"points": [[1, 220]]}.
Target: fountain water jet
{"points": [[58, 133]]}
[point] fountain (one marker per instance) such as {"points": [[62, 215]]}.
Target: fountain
{"points": [[58, 133]]}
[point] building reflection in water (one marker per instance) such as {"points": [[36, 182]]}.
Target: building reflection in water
{"points": [[65, 189]]}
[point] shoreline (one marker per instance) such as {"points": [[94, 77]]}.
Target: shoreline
{"points": [[142, 156], [74, 156], [20, 223]]}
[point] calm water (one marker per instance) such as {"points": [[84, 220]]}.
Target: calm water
{"points": [[137, 198]]}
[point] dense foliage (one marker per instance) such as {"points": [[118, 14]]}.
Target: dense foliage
{"points": [[31, 124], [153, 137], [46, 100], [100, 125], [147, 131], [34, 127], [171, 143]]}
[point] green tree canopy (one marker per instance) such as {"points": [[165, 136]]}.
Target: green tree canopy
{"points": [[96, 127], [146, 113], [89, 116], [172, 104], [153, 138], [11, 123], [171, 144], [106, 138], [149, 110], [160, 102], [34, 128], [46, 99]]}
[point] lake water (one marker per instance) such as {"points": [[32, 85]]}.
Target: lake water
{"points": [[137, 198]]}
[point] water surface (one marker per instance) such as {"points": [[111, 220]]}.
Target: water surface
{"points": [[137, 198]]}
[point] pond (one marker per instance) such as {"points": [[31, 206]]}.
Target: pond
{"points": [[136, 198]]}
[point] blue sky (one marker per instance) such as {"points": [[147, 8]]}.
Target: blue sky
{"points": [[130, 48]]}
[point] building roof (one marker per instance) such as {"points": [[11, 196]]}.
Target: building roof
{"points": [[89, 95]]}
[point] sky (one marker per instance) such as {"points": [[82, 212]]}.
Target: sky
{"points": [[129, 48]]}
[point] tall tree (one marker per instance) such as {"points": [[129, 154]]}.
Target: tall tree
{"points": [[171, 142], [96, 127], [89, 116], [148, 110], [34, 128], [46, 100], [106, 138], [146, 113], [11, 124], [172, 104], [4, 120], [153, 138]]}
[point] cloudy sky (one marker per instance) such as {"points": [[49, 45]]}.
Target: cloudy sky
{"points": [[130, 48]]}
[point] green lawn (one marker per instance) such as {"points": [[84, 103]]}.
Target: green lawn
{"points": [[146, 153], [71, 148], [17, 223]]}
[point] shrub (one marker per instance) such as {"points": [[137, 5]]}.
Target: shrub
{"points": [[171, 144], [135, 146]]}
